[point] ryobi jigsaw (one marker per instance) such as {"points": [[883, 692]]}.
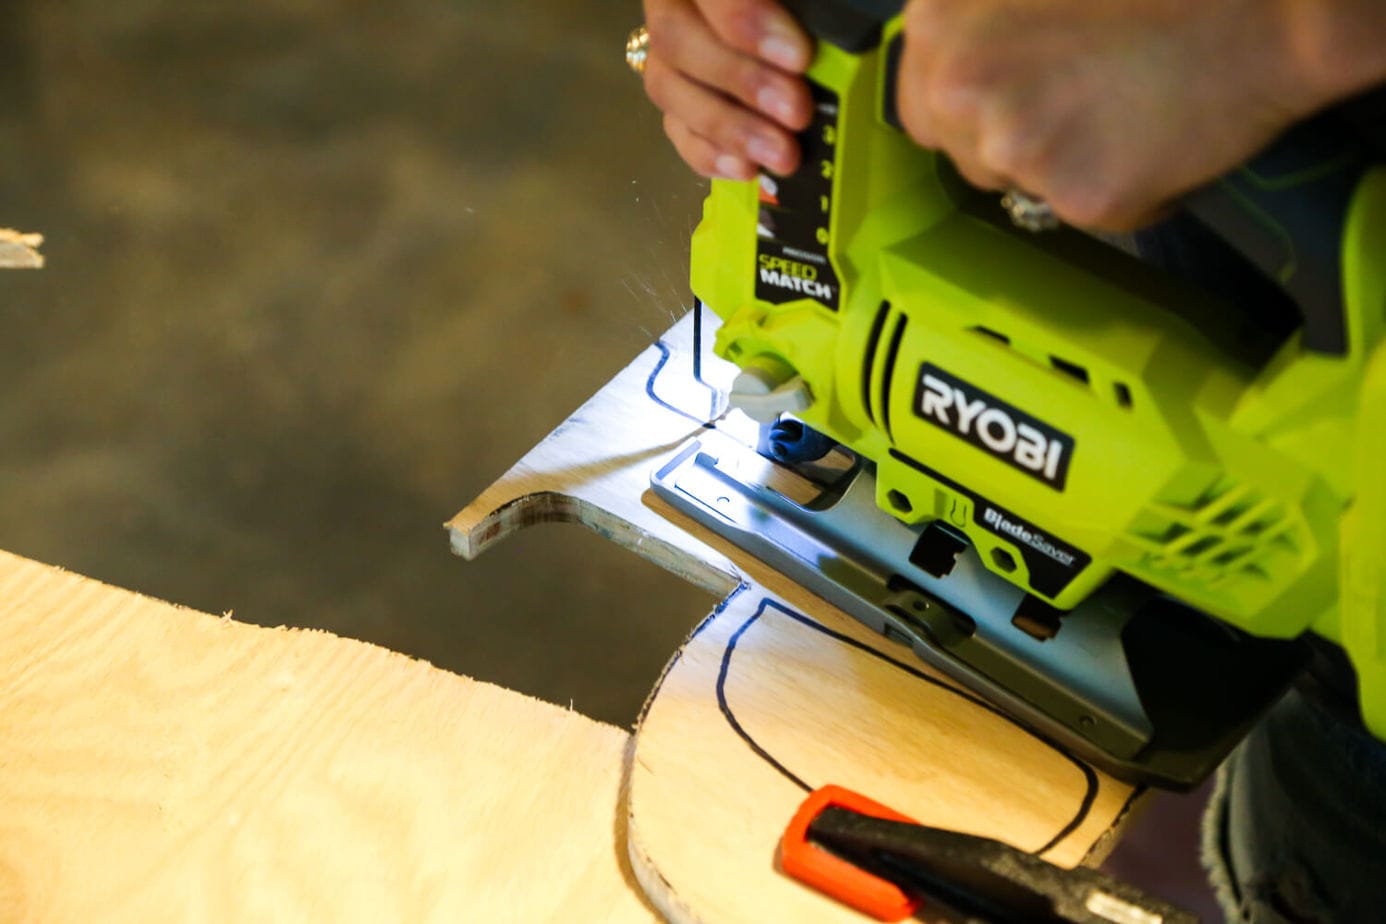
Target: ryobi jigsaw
{"points": [[1039, 462]]}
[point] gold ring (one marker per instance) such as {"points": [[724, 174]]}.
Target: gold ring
{"points": [[638, 48]]}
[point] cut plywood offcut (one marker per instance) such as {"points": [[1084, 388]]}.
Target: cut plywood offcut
{"points": [[159, 764], [19, 250], [777, 691]]}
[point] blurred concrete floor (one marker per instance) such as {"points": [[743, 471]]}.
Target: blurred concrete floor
{"points": [[319, 271]]}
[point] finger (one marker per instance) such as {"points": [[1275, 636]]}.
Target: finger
{"points": [[685, 41], [1085, 184], [956, 137], [1101, 206], [1017, 141], [949, 118], [920, 52], [729, 126], [762, 29], [977, 173], [704, 156]]}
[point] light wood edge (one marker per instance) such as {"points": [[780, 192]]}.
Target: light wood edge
{"points": [[19, 250], [470, 540]]}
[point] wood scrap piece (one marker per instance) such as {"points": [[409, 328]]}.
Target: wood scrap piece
{"points": [[158, 764], [19, 250], [595, 468], [803, 681]]}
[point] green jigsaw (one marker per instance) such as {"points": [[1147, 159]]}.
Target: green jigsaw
{"points": [[1070, 459]]}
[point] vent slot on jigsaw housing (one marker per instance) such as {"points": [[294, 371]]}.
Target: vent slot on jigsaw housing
{"points": [[1216, 533], [1074, 371]]}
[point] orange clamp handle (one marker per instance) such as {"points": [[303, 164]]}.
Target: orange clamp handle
{"points": [[849, 884]]}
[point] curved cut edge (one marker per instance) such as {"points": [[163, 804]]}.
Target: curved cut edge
{"points": [[469, 540]]}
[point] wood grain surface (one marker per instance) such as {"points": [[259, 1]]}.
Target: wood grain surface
{"points": [[159, 764], [776, 692]]}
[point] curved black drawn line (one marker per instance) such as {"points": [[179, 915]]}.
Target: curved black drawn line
{"points": [[726, 709], [664, 355], [1089, 775]]}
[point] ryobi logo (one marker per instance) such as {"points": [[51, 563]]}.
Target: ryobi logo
{"points": [[992, 425]]}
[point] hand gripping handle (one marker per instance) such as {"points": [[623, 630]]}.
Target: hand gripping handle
{"points": [[1283, 211]]}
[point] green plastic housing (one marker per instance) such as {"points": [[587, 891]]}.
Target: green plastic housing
{"points": [[1236, 473]]}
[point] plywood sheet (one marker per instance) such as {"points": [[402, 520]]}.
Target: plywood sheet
{"points": [[159, 764]]}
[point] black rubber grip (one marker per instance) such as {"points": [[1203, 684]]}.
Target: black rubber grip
{"points": [[1365, 116]]}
